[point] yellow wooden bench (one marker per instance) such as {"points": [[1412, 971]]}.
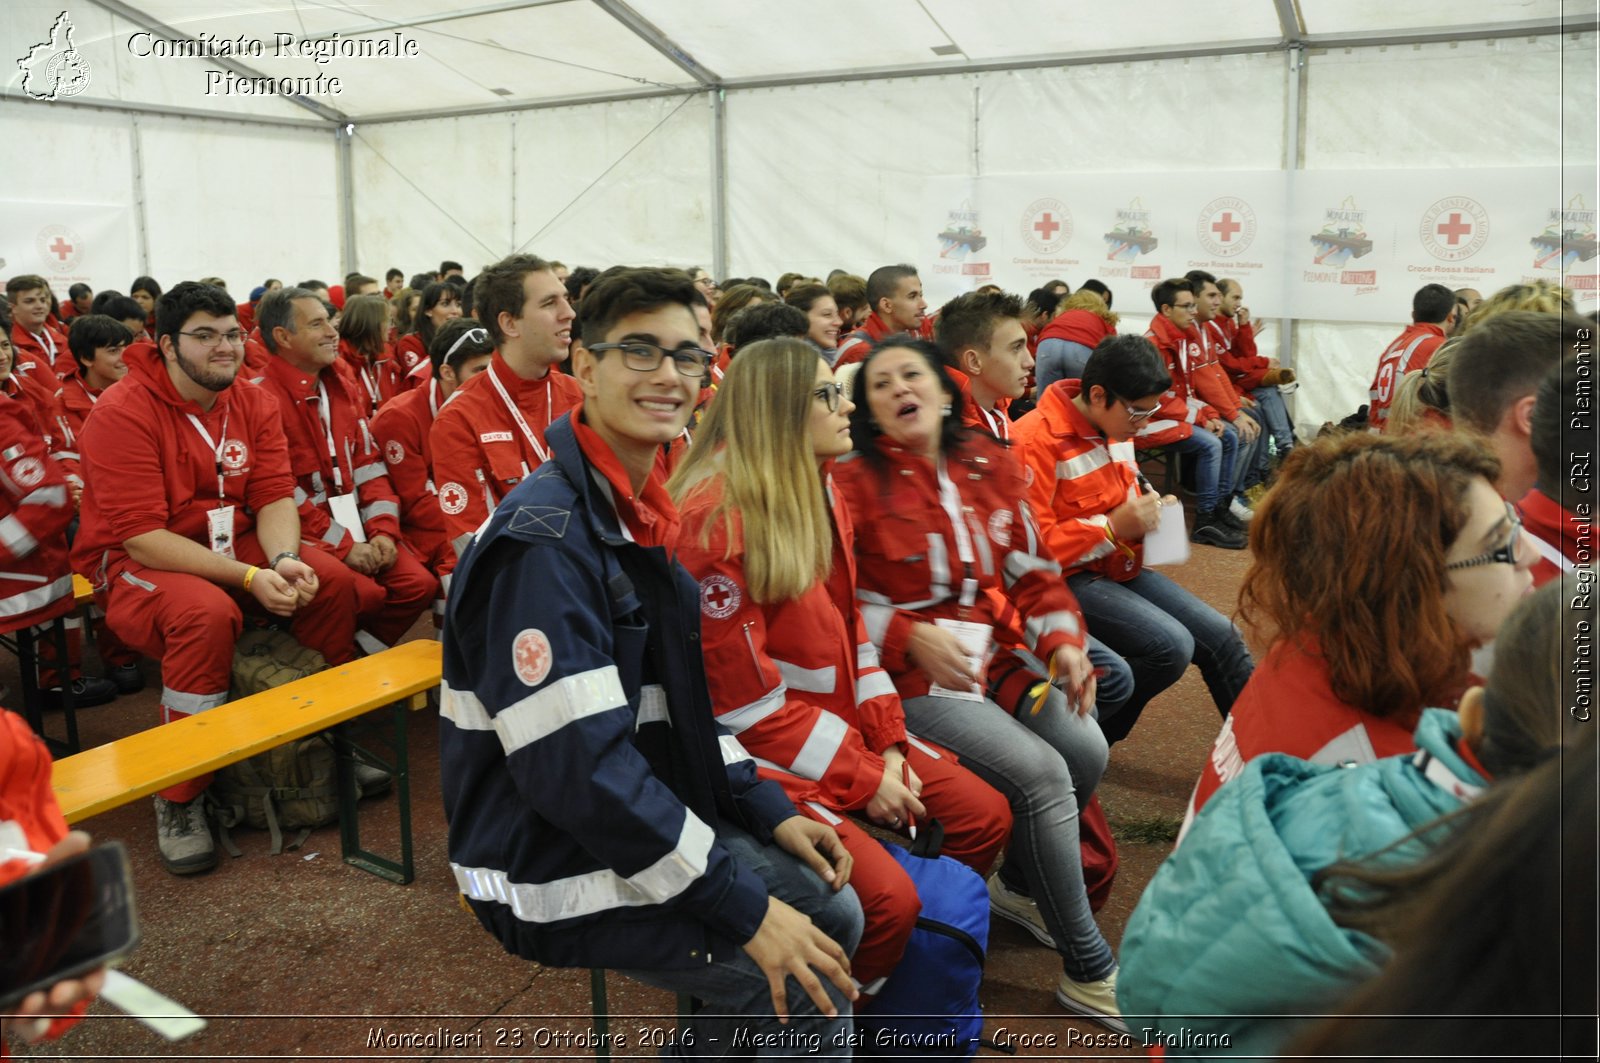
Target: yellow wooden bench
{"points": [[82, 593], [141, 764]]}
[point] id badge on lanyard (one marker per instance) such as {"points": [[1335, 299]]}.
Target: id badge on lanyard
{"points": [[219, 521]]}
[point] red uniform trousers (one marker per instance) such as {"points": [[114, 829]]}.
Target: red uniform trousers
{"points": [[977, 823], [391, 601], [190, 625]]}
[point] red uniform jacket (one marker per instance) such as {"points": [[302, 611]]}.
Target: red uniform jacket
{"points": [[480, 452], [379, 380], [40, 393], [1078, 326], [46, 353], [77, 399], [410, 352], [245, 313], [912, 562], [1289, 707], [1553, 532], [356, 463], [856, 346], [798, 682], [1180, 411], [402, 428], [147, 467], [994, 422], [1236, 347], [256, 359], [1207, 377], [35, 509], [1410, 351], [1075, 480]]}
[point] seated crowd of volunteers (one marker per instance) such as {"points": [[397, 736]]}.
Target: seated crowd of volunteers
{"points": [[879, 565]]}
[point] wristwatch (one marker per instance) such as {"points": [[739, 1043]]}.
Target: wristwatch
{"points": [[273, 564]]}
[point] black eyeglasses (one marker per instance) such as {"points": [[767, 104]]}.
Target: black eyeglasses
{"points": [[831, 393], [645, 357], [472, 335], [210, 337], [1503, 555]]}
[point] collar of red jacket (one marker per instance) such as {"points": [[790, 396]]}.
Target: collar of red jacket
{"points": [[297, 382], [1166, 331], [356, 360], [1062, 416], [147, 367], [1544, 517], [514, 384], [650, 516]]}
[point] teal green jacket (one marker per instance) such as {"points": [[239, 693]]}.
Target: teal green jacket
{"points": [[1231, 939]]}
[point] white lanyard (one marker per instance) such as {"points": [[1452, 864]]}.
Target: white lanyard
{"points": [[998, 425], [516, 414], [433, 398], [950, 500], [327, 431], [46, 340], [93, 398], [372, 387], [215, 448]]}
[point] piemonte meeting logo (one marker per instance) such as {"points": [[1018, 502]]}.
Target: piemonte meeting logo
{"points": [[1568, 238], [54, 68], [1131, 236], [1454, 228], [1227, 226], [961, 237], [1343, 235], [1046, 226]]}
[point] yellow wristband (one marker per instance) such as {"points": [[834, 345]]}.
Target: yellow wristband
{"points": [[250, 576]]}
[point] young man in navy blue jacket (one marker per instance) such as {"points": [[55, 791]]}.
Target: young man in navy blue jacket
{"points": [[599, 817]]}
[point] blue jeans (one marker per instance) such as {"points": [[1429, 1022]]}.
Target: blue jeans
{"points": [[1046, 764], [1254, 456], [1270, 402], [1214, 464], [1159, 629], [737, 991], [1058, 360], [1111, 692]]}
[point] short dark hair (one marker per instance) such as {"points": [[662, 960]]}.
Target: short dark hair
{"points": [[498, 290], [1200, 278], [1127, 366], [357, 280], [393, 272], [118, 306], [450, 335], [765, 321], [447, 265], [577, 278], [1504, 359], [1556, 411], [26, 282], [1099, 288], [1166, 293], [884, 281], [313, 284], [92, 331], [420, 281], [1044, 302], [1432, 304], [968, 320], [276, 311], [102, 297], [620, 292], [79, 289], [176, 307]]}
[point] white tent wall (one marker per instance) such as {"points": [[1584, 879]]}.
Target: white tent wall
{"points": [[603, 183]]}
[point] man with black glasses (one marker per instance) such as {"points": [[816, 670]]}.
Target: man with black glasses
{"points": [[599, 817], [490, 436]]}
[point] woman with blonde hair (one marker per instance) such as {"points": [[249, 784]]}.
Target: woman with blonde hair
{"points": [[791, 669], [1422, 401], [1539, 296], [1081, 322]]}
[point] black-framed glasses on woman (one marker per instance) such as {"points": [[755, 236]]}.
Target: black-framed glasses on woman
{"points": [[831, 393], [1506, 554], [645, 357]]}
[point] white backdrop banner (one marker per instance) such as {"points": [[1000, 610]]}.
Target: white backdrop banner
{"points": [[66, 242], [1331, 245]]}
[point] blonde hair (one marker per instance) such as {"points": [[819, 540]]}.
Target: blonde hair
{"points": [[1423, 391], [1540, 296], [756, 439], [1090, 300]]}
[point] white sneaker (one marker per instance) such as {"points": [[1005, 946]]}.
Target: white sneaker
{"points": [[1023, 911], [184, 837], [1093, 1000], [1241, 511]]}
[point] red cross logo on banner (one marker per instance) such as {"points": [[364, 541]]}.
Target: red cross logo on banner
{"points": [[1454, 229], [61, 248], [1046, 226], [1225, 227]]}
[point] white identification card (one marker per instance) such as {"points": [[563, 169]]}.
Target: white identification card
{"points": [[1169, 543], [219, 524], [975, 640], [348, 514], [156, 1010]]}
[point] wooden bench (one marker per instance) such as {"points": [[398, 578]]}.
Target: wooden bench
{"points": [[141, 764]]}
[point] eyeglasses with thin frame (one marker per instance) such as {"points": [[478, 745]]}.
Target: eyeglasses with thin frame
{"points": [[210, 337], [831, 393], [645, 357], [472, 335], [1506, 554]]}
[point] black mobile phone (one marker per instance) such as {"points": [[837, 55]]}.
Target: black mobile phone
{"points": [[65, 921]]}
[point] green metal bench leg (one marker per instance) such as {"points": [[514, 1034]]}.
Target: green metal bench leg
{"points": [[349, 817], [598, 1012]]}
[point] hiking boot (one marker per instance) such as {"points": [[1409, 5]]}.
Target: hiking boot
{"points": [[87, 692], [184, 837], [127, 677], [1240, 510], [1093, 1000], [372, 781], [1019, 909], [1210, 529]]}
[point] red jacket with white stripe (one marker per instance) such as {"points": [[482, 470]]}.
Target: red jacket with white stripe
{"points": [[410, 352], [402, 428], [1180, 410], [1207, 378], [1410, 351], [355, 465], [41, 393], [1076, 478], [1554, 534], [378, 380], [46, 354], [856, 346], [35, 509], [1237, 351], [912, 562], [797, 681]]}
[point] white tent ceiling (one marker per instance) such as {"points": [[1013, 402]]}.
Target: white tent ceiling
{"points": [[517, 54]]}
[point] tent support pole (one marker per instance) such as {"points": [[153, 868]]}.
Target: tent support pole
{"points": [[347, 198], [719, 184], [1295, 159], [140, 208]]}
